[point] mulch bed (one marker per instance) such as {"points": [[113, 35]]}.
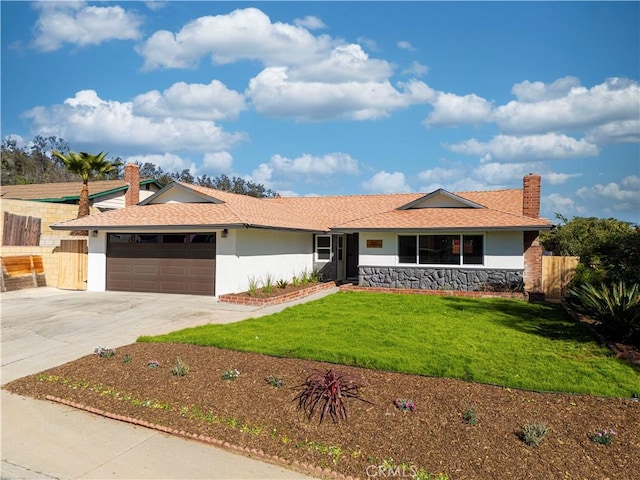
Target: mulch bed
{"points": [[251, 413]]}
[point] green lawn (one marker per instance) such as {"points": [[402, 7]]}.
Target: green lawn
{"points": [[504, 342]]}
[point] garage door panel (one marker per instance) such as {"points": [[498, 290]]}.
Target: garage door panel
{"points": [[187, 268], [145, 286], [146, 269]]}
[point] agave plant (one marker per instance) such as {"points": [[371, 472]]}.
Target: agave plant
{"points": [[616, 306]]}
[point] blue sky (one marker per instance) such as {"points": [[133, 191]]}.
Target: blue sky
{"points": [[336, 98]]}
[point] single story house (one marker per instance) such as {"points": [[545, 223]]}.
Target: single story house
{"points": [[103, 194], [196, 240]]}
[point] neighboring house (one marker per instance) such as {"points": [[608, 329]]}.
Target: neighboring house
{"points": [[196, 240], [103, 194]]}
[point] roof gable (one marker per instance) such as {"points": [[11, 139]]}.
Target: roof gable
{"points": [[176, 192], [440, 199]]}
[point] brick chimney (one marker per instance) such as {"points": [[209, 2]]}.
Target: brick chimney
{"points": [[132, 177], [532, 249], [531, 195]]}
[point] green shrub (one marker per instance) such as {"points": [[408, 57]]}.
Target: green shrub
{"points": [[470, 416], [534, 433], [253, 286], [180, 369], [616, 306], [282, 283], [267, 285]]}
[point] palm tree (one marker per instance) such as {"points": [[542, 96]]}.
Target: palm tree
{"points": [[88, 167]]}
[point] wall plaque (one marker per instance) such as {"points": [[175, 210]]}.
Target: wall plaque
{"points": [[374, 243]]}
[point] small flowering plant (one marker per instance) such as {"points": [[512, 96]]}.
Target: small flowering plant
{"points": [[153, 364], [104, 352], [603, 436], [405, 405], [231, 374]]}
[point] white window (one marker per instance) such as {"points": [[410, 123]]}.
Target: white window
{"points": [[323, 248]]}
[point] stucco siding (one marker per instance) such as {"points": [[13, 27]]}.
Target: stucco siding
{"points": [[251, 253], [97, 263], [502, 250], [385, 256]]}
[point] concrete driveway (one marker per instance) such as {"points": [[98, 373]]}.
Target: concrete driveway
{"points": [[45, 327]]}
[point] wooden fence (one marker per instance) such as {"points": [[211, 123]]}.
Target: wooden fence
{"points": [[19, 272], [21, 230], [72, 274], [557, 272]]}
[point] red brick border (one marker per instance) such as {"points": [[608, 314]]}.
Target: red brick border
{"points": [[244, 299], [295, 465]]}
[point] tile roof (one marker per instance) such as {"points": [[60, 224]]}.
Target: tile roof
{"points": [[318, 214], [61, 191]]}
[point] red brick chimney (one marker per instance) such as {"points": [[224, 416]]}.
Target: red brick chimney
{"points": [[532, 249], [531, 195], [132, 177]]}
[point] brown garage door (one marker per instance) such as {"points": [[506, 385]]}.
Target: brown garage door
{"points": [[163, 263]]}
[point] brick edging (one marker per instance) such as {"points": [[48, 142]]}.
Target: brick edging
{"points": [[236, 299], [439, 293], [301, 467]]}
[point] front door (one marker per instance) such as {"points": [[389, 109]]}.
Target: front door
{"points": [[352, 255]]}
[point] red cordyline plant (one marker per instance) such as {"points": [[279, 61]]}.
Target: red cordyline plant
{"points": [[327, 392]]}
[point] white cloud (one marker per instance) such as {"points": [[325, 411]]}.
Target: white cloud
{"points": [[404, 45], [87, 119], [343, 64], [506, 148], [503, 174], [263, 175], [626, 131], [79, 24], [273, 93], [615, 100], [463, 177], [369, 43], [452, 110], [626, 195], [531, 92], [191, 101], [556, 203], [416, 69], [554, 178], [310, 23], [167, 161], [281, 171], [441, 175], [217, 161], [383, 182], [155, 4], [246, 34], [309, 165], [305, 77]]}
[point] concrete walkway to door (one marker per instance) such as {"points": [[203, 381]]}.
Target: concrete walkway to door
{"points": [[45, 327]]}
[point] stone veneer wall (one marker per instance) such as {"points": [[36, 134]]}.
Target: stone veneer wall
{"points": [[464, 279]]}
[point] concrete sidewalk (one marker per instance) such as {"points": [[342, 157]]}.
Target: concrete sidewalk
{"points": [[45, 327]]}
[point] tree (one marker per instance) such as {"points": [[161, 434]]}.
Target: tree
{"points": [[88, 167], [235, 185], [33, 163], [609, 249]]}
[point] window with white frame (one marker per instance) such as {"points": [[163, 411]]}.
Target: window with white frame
{"points": [[323, 248], [441, 249]]}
